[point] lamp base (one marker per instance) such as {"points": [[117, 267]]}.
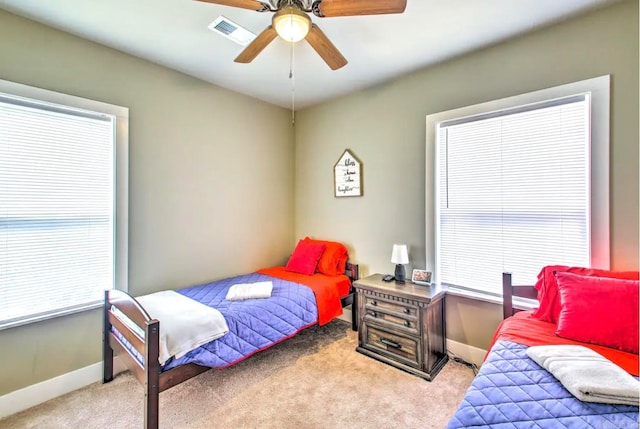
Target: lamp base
{"points": [[400, 274]]}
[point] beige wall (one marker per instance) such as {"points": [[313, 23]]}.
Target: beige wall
{"points": [[203, 182], [385, 127]]}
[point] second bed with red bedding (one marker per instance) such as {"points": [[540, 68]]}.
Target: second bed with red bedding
{"points": [[511, 390]]}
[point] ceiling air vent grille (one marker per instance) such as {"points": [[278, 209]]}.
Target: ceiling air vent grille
{"points": [[225, 27], [231, 30]]}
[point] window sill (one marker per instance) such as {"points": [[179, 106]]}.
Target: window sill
{"points": [[520, 303]]}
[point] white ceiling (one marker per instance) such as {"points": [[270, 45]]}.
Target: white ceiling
{"points": [[174, 33]]}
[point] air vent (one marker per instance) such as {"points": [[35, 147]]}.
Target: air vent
{"points": [[231, 30]]}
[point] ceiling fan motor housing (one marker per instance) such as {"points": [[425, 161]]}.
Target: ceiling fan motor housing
{"points": [[299, 3]]}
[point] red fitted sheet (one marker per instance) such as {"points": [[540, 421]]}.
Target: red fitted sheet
{"points": [[523, 329]]}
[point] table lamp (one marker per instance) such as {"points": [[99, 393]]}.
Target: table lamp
{"points": [[400, 256]]}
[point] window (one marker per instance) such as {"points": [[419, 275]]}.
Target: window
{"points": [[60, 221], [520, 184]]}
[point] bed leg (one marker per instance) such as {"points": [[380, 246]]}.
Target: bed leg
{"points": [[107, 351], [507, 295], [354, 313], [152, 369], [151, 408]]}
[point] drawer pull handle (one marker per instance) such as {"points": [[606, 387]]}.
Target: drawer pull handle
{"points": [[374, 303], [373, 313], [406, 311], [406, 323], [390, 343]]}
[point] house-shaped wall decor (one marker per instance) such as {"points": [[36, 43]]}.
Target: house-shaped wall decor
{"points": [[347, 176]]}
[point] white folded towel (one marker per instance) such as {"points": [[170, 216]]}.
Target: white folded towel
{"points": [[589, 376], [249, 291], [185, 324]]}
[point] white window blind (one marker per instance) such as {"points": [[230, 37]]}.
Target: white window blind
{"points": [[57, 237], [513, 193]]}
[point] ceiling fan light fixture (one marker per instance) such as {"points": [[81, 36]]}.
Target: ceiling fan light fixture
{"points": [[291, 24]]}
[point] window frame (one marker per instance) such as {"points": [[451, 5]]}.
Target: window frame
{"points": [[599, 89], [121, 185]]}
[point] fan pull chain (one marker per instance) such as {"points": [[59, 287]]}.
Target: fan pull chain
{"points": [[293, 85]]}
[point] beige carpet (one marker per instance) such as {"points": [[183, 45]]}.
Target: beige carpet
{"points": [[313, 380]]}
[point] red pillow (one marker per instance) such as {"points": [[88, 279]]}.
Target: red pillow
{"points": [[548, 296], [334, 258], [599, 310], [305, 257]]}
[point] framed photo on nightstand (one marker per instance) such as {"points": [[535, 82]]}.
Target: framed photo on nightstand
{"points": [[421, 277]]}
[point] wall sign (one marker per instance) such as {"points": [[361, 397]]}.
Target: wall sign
{"points": [[347, 176]]}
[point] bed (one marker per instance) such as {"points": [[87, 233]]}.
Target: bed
{"points": [[297, 301], [511, 390]]}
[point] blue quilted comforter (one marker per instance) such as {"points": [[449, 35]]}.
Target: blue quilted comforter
{"points": [[254, 324], [512, 391]]}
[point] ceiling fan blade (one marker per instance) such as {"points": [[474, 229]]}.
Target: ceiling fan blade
{"points": [[244, 4], [323, 46], [330, 8], [258, 44]]}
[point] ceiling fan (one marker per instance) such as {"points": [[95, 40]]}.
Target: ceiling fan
{"points": [[292, 22]]}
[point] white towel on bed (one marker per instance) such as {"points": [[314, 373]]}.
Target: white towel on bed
{"points": [[589, 376], [249, 291], [185, 324]]}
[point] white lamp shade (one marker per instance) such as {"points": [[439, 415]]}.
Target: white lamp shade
{"points": [[400, 255], [291, 24]]}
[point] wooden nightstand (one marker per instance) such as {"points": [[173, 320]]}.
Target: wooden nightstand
{"points": [[402, 324]]}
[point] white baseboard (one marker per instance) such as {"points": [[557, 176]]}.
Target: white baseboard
{"points": [[466, 352], [38, 393]]}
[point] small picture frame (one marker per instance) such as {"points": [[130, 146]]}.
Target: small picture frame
{"points": [[421, 277]]}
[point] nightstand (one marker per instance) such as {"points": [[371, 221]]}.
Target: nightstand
{"points": [[402, 324]]}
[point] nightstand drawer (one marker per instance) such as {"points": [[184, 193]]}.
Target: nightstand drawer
{"points": [[410, 323], [374, 303], [401, 348]]}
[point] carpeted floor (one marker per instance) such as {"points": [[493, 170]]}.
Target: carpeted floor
{"points": [[313, 380]]}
